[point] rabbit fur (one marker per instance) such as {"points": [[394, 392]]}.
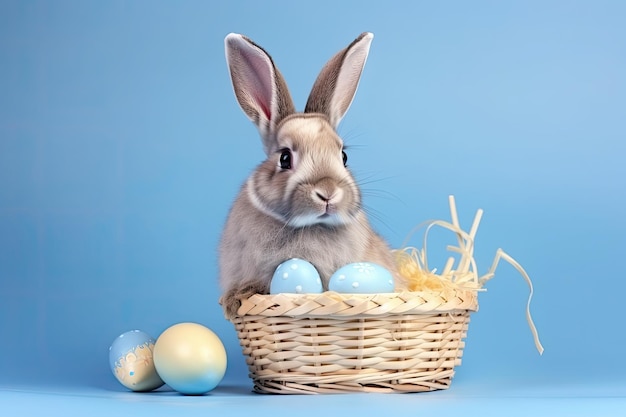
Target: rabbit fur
{"points": [[302, 201]]}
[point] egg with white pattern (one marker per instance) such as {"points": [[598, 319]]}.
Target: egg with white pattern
{"points": [[132, 363], [362, 278], [296, 276]]}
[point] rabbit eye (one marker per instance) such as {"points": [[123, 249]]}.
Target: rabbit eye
{"points": [[344, 155], [285, 159]]}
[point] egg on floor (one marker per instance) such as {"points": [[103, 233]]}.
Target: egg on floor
{"points": [[362, 278], [296, 276], [131, 361], [190, 358]]}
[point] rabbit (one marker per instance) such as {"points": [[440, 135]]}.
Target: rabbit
{"points": [[302, 201]]}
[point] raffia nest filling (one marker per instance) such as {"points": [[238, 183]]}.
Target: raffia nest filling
{"points": [[407, 341]]}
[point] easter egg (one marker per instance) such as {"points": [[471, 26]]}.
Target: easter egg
{"points": [[131, 361], [296, 276], [362, 278], [190, 358]]}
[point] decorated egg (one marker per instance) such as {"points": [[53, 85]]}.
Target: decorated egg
{"points": [[296, 276], [131, 361], [362, 278]]}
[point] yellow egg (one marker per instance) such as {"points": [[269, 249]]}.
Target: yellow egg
{"points": [[190, 358]]}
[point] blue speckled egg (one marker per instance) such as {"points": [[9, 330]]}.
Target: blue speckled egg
{"points": [[131, 361], [296, 276], [362, 278]]}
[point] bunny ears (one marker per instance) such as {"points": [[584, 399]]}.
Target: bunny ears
{"points": [[337, 83], [263, 94]]}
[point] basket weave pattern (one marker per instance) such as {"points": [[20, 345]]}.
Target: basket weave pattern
{"points": [[332, 343]]}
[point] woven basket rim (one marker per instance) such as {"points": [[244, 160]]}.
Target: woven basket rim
{"points": [[331, 304]]}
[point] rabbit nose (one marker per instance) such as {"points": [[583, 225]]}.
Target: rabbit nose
{"points": [[327, 193], [322, 196]]}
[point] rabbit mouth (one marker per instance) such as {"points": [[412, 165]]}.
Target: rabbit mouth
{"points": [[328, 218]]}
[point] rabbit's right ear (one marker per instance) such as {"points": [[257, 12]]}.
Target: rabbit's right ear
{"points": [[259, 87]]}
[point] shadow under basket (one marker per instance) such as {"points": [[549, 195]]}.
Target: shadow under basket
{"points": [[340, 343]]}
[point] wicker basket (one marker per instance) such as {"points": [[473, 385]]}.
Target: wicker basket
{"points": [[334, 343]]}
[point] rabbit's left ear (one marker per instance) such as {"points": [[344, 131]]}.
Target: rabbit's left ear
{"points": [[337, 83]]}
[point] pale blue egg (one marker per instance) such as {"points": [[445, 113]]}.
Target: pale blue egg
{"points": [[362, 278], [132, 363], [296, 276]]}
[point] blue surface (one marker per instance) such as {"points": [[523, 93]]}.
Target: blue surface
{"points": [[122, 147], [520, 399]]}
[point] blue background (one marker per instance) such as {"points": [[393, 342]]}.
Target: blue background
{"points": [[122, 148]]}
